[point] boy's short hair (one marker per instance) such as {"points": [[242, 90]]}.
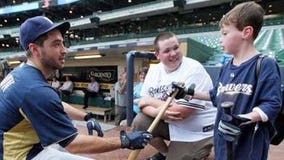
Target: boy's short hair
{"points": [[160, 37], [245, 14]]}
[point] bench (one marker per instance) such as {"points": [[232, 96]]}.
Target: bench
{"points": [[78, 98], [99, 105], [106, 112]]}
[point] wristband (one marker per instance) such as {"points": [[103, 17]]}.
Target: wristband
{"points": [[88, 116], [124, 139]]}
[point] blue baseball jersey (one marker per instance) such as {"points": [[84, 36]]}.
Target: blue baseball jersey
{"points": [[246, 92], [32, 116]]}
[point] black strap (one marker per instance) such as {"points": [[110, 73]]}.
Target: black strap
{"points": [[258, 65], [271, 127]]}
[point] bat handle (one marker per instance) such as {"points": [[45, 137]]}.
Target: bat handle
{"points": [[227, 110], [227, 107], [134, 154]]}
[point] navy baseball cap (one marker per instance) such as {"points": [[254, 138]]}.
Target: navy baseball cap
{"points": [[34, 27]]}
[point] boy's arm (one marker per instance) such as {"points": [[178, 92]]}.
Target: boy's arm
{"points": [[256, 115], [198, 95], [149, 101], [190, 93], [151, 107]]}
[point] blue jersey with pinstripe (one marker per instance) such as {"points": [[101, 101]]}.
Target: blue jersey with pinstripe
{"points": [[32, 116], [246, 92]]}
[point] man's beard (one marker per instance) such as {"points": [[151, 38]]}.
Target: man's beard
{"points": [[48, 62]]}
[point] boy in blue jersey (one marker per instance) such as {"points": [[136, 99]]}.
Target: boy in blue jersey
{"points": [[256, 99], [33, 117]]}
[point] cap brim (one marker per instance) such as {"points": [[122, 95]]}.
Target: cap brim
{"points": [[62, 27]]}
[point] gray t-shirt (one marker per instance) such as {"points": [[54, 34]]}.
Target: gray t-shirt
{"points": [[120, 98]]}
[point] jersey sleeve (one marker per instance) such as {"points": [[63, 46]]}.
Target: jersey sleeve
{"points": [[214, 91], [43, 108], [269, 88]]}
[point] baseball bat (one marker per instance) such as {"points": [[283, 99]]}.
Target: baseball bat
{"points": [[134, 154], [227, 109]]}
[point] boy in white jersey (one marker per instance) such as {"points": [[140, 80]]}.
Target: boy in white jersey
{"points": [[189, 130]]}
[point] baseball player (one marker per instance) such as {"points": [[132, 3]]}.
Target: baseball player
{"points": [[33, 118]]}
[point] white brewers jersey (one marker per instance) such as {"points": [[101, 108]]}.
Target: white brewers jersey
{"points": [[157, 84]]}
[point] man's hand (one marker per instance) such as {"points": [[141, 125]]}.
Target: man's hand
{"points": [[135, 140], [92, 124]]}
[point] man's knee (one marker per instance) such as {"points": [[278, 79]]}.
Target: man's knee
{"points": [[205, 149], [204, 152], [140, 122], [190, 151]]}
